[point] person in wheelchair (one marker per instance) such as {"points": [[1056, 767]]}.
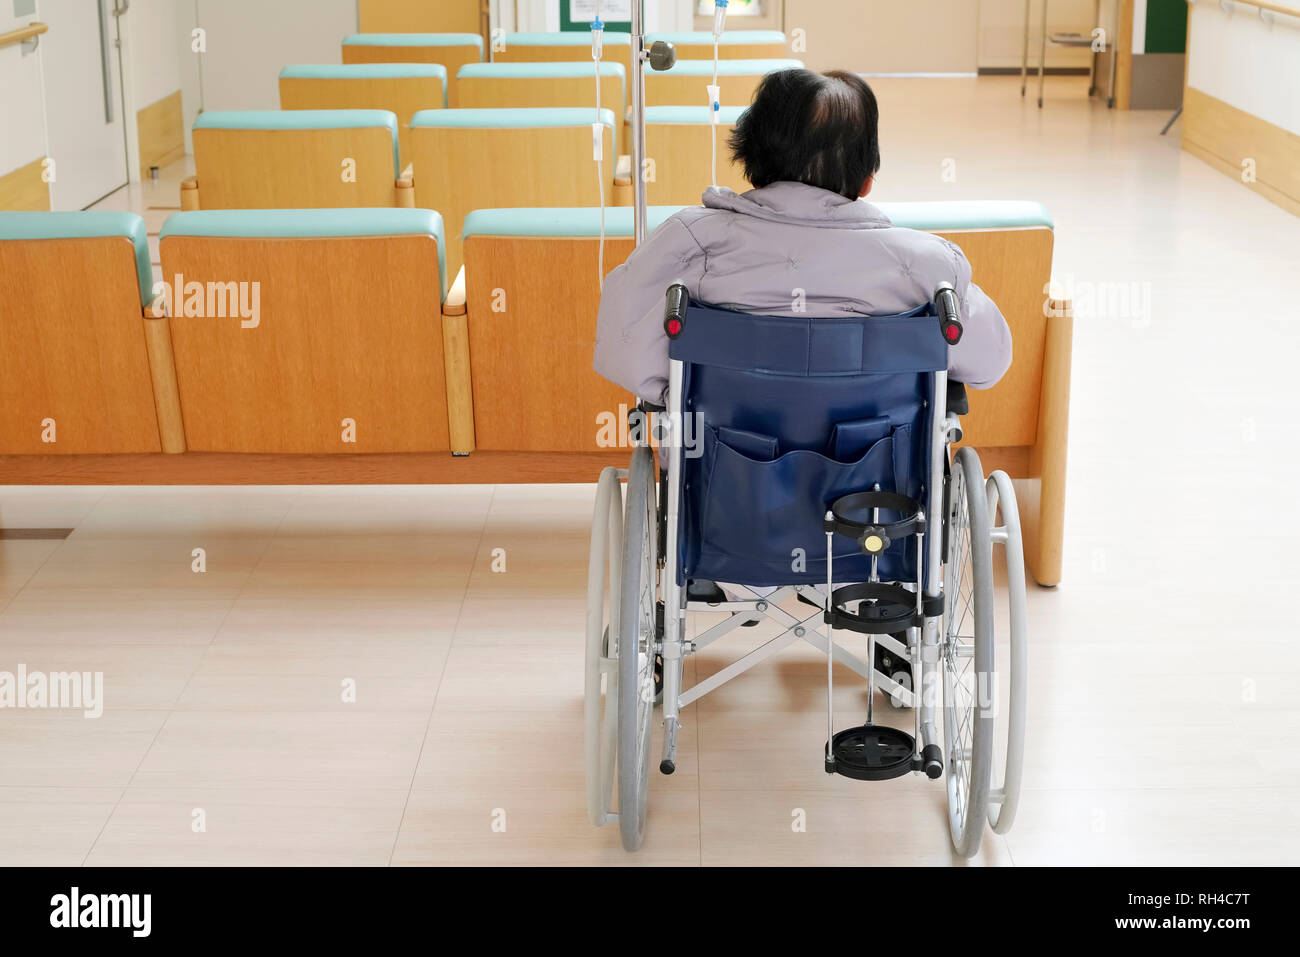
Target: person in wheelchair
{"points": [[798, 327], [802, 242]]}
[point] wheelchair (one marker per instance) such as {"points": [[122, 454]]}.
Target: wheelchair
{"points": [[808, 466]]}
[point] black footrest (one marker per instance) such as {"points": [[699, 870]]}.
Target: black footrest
{"points": [[888, 608], [871, 753], [848, 517]]}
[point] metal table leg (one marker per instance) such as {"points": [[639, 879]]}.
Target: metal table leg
{"points": [[1024, 58], [1042, 57]]}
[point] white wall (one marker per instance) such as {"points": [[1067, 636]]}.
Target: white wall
{"points": [[158, 32], [22, 112], [156, 62], [1002, 31], [544, 15], [249, 41], [1245, 63], [885, 36]]}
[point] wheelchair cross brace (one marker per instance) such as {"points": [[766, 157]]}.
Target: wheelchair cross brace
{"points": [[806, 629]]}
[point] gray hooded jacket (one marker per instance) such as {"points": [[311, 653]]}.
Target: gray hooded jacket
{"points": [[785, 250]]}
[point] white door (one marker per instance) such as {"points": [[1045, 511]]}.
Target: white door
{"points": [[81, 66]]}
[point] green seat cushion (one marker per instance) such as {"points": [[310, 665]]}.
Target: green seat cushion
{"points": [[691, 114], [566, 222], [732, 37], [532, 70], [968, 214], [367, 71], [729, 67], [509, 118], [415, 40], [571, 39]]}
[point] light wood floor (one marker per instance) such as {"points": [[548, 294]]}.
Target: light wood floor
{"points": [[1165, 719]]}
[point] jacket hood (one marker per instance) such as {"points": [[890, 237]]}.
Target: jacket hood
{"points": [[798, 204]]}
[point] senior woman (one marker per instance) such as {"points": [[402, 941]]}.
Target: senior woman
{"points": [[801, 242]]}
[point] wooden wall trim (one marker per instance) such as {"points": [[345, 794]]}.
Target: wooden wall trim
{"points": [[1224, 136], [1123, 91], [24, 189], [161, 129]]}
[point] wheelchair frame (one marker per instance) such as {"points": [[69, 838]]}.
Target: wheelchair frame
{"points": [[933, 648]]}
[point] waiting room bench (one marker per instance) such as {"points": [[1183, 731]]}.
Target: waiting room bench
{"points": [[347, 330], [734, 45], [543, 260], [539, 85], [562, 47], [296, 159], [472, 159], [402, 89], [77, 373], [686, 84], [451, 51], [354, 332], [677, 145]]}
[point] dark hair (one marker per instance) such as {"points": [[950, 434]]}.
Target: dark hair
{"points": [[814, 128]]}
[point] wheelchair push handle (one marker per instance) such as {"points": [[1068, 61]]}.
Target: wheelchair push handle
{"points": [[949, 309], [675, 310]]}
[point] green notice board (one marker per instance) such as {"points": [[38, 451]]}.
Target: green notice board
{"points": [[608, 13], [1166, 26]]}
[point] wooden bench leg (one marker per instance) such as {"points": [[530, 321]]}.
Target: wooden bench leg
{"points": [[189, 194], [455, 351], [166, 394], [1042, 500]]}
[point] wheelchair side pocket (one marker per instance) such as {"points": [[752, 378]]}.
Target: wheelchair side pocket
{"points": [[760, 511]]}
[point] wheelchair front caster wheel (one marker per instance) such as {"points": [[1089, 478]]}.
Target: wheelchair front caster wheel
{"points": [[667, 767]]}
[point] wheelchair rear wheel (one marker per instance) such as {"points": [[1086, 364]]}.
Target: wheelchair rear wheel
{"points": [[637, 635], [600, 713], [967, 653], [1005, 798]]}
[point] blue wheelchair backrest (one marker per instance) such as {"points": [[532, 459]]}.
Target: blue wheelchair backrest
{"points": [[781, 416]]}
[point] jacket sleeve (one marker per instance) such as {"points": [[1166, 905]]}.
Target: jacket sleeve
{"points": [[984, 353], [631, 346]]}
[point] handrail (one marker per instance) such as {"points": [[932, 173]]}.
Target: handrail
{"points": [[1270, 5], [23, 34]]}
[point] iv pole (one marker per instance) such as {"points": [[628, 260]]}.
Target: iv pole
{"points": [[661, 56], [638, 121]]}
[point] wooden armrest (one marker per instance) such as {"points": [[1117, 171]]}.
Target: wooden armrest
{"points": [[623, 171], [404, 193], [162, 373], [455, 352], [190, 193], [454, 304]]}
